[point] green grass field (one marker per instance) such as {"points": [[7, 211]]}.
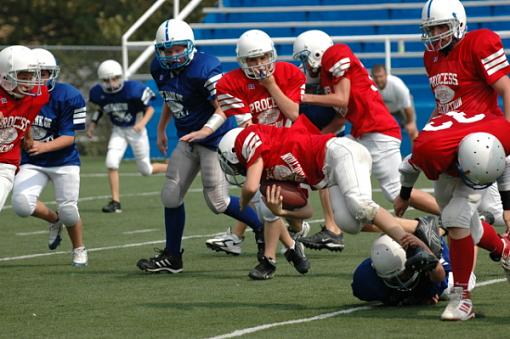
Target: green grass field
{"points": [[43, 296]]}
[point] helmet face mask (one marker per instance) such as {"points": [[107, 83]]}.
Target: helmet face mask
{"points": [[439, 13], [256, 54], [481, 160], [20, 74], [388, 260], [111, 76], [172, 34]]}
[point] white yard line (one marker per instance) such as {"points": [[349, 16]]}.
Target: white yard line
{"points": [[23, 234], [141, 231]]}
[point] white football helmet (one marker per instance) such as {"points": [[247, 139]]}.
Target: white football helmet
{"points": [[234, 171], [47, 62], [20, 73], [255, 43], [481, 159], [309, 47], [111, 76], [388, 260], [442, 12], [170, 33]]}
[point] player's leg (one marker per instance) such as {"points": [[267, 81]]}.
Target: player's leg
{"points": [[386, 159], [217, 197], [139, 142], [66, 180], [491, 206], [182, 169], [7, 173], [116, 148]]}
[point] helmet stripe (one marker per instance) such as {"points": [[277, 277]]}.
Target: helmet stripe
{"points": [[428, 9], [166, 30]]}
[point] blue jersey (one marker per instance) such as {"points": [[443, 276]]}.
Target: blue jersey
{"points": [[64, 114], [368, 286], [188, 92], [122, 106]]}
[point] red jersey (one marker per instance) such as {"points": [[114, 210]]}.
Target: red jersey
{"points": [[462, 79], [435, 148], [290, 154], [18, 115], [366, 109], [238, 95]]}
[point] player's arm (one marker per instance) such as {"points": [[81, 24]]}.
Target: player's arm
{"points": [[408, 176], [410, 126], [338, 99], [39, 147], [94, 120], [215, 121], [252, 183], [274, 201], [164, 119], [287, 106], [147, 115], [502, 87]]}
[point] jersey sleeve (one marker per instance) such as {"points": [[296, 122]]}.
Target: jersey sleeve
{"points": [[77, 108], [490, 56], [250, 147], [211, 73], [231, 100], [295, 84], [336, 61]]}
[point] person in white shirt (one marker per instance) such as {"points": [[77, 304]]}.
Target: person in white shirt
{"points": [[397, 98]]}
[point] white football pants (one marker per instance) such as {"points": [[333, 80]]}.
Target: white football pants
{"points": [[7, 172], [139, 142]]}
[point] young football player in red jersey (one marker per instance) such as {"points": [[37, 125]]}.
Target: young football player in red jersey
{"points": [[299, 155], [464, 153], [262, 91], [350, 90], [21, 98], [467, 71]]}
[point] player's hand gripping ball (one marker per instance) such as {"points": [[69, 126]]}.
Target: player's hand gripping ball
{"points": [[293, 196]]}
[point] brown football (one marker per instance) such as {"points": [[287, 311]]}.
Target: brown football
{"points": [[293, 195]]}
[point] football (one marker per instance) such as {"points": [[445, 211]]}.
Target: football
{"points": [[293, 195]]}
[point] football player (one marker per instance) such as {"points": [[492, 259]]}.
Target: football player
{"points": [[300, 154], [464, 153], [467, 71], [53, 157], [262, 91], [123, 101], [352, 93], [21, 98], [187, 81]]}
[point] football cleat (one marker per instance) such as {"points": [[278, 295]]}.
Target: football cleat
{"points": [[54, 237], [163, 262], [112, 207], [264, 270], [324, 239], [487, 216], [227, 242], [80, 257], [419, 260], [460, 306], [428, 232], [296, 256], [505, 256]]}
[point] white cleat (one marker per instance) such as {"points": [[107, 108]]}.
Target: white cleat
{"points": [[54, 237], [227, 242], [505, 256], [80, 257], [459, 307]]}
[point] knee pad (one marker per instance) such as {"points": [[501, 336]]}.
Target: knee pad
{"points": [[363, 211], [171, 194], [112, 159], [68, 215], [22, 206], [216, 201]]}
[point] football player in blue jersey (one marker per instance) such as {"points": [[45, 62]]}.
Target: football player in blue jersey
{"points": [[123, 101], [383, 277], [187, 80], [51, 155]]}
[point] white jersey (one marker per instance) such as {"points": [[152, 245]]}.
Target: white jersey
{"points": [[396, 95]]}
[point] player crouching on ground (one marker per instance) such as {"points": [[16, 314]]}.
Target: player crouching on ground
{"points": [[302, 155]]}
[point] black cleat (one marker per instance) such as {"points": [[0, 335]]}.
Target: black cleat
{"points": [[428, 232], [324, 239], [264, 270], [163, 262], [487, 216], [420, 260], [259, 239], [112, 207], [297, 257]]}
